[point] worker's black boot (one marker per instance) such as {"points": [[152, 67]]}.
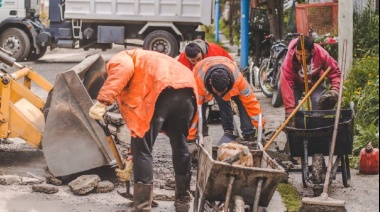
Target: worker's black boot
{"points": [[142, 197], [182, 193]]}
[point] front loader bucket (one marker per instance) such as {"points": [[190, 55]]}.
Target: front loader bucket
{"points": [[72, 141]]}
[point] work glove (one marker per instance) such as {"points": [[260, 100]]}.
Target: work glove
{"points": [[126, 173], [193, 150], [328, 100], [97, 111]]}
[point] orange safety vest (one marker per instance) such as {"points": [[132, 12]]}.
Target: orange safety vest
{"points": [[135, 79], [240, 88], [213, 50]]}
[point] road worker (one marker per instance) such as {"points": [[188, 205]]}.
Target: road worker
{"points": [[196, 51], [155, 93], [220, 77], [292, 76]]}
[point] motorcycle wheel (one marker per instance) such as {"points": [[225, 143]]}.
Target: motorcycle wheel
{"points": [[277, 95], [264, 82]]}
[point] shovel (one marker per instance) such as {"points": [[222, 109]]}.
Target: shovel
{"points": [[115, 152], [119, 162]]}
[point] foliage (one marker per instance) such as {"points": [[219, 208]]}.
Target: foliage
{"points": [[362, 88], [362, 84], [290, 196], [44, 18], [366, 33], [332, 49]]}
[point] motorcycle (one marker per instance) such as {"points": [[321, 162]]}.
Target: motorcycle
{"points": [[270, 68]]}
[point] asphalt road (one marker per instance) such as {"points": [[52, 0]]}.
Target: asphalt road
{"points": [[19, 159]]}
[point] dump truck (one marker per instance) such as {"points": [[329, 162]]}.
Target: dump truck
{"points": [[161, 25], [59, 125]]}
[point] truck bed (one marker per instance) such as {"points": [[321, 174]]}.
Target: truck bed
{"points": [[192, 11]]}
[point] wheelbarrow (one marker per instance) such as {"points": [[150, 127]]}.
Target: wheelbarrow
{"points": [[311, 135], [233, 187]]}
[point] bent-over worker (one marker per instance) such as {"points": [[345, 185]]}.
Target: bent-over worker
{"points": [[155, 93], [219, 76]]}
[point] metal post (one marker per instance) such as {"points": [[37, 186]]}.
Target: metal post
{"points": [[244, 34], [217, 15]]}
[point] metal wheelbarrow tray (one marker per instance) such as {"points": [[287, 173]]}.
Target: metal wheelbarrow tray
{"points": [[218, 181], [312, 135]]}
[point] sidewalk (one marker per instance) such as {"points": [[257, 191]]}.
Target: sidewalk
{"points": [[233, 50]]}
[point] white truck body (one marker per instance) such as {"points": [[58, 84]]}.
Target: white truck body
{"points": [[161, 24], [192, 11]]}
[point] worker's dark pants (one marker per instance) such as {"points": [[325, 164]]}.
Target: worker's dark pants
{"points": [[226, 114], [174, 111], [315, 96]]}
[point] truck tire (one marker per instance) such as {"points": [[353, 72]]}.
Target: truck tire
{"points": [[16, 41], [163, 42], [33, 56]]}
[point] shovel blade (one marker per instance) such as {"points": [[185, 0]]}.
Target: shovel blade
{"points": [[72, 141], [227, 138]]}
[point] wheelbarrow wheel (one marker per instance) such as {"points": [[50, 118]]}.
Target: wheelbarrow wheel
{"points": [[303, 175], [237, 204], [317, 173], [346, 174]]}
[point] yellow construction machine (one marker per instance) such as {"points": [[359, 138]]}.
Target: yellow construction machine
{"points": [[70, 140]]}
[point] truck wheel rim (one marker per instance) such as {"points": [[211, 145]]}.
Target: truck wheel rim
{"points": [[160, 45], [12, 44]]}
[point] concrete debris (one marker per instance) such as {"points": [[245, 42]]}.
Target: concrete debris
{"points": [[170, 184], [163, 197], [31, 181], [84, 184], [104, 187], [50, 179], [53, 180], [9, 179], [45, 188]]}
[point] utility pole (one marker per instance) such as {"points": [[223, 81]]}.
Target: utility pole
{"points": [[244, 29], [346, 32], [217, 15]]}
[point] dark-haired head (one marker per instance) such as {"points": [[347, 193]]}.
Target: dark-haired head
{"points": [[308, 42], [192, 50], [220, 80]]}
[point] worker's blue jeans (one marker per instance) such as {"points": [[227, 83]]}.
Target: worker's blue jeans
{"points": [[226, 114], [174, 111]]}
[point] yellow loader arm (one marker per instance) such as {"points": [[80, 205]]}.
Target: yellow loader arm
{"points": [[20, 109]]}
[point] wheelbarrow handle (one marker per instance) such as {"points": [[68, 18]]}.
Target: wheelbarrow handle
{"points": [[297, 108]]}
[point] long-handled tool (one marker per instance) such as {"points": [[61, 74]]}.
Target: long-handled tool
{"points": [[119, 162], [324, 202], [297, 108], [115, 152]]}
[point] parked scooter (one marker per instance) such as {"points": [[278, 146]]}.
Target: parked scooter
{"points": [[270, 68]]}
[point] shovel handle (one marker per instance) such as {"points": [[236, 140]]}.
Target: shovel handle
{"points": [[112, 144], [297, 108]]}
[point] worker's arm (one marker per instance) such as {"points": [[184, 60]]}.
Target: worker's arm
{"points": [[120, 70], [249, 100]]}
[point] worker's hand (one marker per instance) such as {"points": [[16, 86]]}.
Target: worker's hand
{"points": [[97, 111], [193, 150], [328, 100], [126, 173]]}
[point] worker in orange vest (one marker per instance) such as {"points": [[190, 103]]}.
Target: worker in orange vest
{"points": [[196, 51], [219, 76], [154, 93]]}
